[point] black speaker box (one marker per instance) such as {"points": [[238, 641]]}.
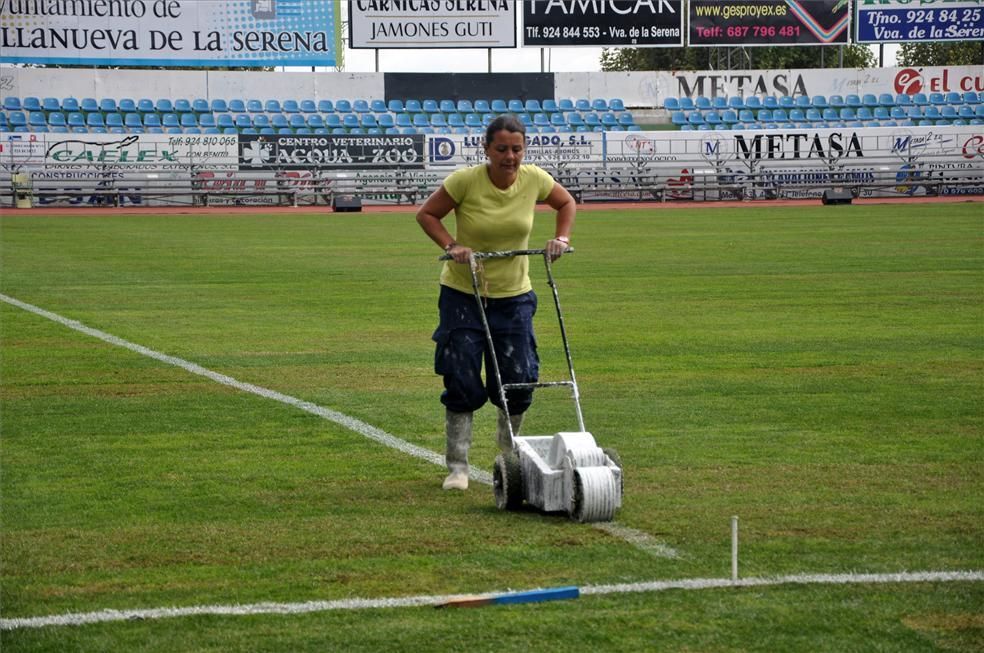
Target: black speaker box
{"points": [[837, 196], [346, 204]]}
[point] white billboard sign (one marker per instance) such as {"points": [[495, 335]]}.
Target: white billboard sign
{"points": [[244, 33], [405, 24]]}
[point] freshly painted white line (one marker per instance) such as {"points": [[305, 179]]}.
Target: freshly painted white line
{"points": [[637, 538], [82, 618]]}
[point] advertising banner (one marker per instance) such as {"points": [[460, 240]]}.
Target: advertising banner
{"points": [[347, 152], [382, 24], [189, 33], [768, 22], [545, 150], [144, 152], [611, 23], [896, 21]]}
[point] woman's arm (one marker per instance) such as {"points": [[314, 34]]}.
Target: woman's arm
{"points": [[429, 217]]}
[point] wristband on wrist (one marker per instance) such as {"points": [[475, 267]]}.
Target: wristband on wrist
{"points": [[450, 246], [563, 239]]}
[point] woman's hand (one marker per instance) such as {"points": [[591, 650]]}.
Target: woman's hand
{"points": [[459, 253], [556, 247]]}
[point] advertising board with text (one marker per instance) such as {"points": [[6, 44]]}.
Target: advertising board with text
{"points": [[608, 23], [718, 23], [897, 21], [351, 151], [190, 33], [383, 24]]}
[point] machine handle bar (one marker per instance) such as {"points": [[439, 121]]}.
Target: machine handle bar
{"points": [[508, 253]]}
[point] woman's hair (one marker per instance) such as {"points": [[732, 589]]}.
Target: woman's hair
{"points": [[506, 121]]}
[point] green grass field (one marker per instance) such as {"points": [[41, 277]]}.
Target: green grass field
{"points": [[816, 371]]}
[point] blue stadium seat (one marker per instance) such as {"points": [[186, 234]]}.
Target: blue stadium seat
{"points": [[333, 120], [446, 106], [132, 120], [464, 106], [499, 106], [965, 112], [377, 106], [549, 105], [565, 104], [279, 121], [308, 106], [31, 103], [671, 104], [753, 102], [296, 121], [326, 106], [881, 113], [736, 103], [582, 105], [350, 120], [223, 121], [368, 120], [920, 99], [421, 120], [515, 106], [395, 106], [315, 121], [254, 106], [272, 106], [114, 120], [813, 115], [802, 102], [454, 120], [937, 99], [385, 120], [94, 119], [702, 103], [898, 113], [971, 98], [57, 118], [770, 102], [75, 119], [89, 105], [343, 106], [786, 102], [848, 113], [948, 112], [219, 106], [262, 120], [404, 120], [163, 105], [182, 105], [931, 112], [237, 105], [51, 104], [599, 104], [412, 106], [170, 120], [37, 119], [797, 115], [831, 114], [865, 114], [532, 106], [616, 104], [430, 106], [746, 116], [852, 100], [191, 130], [686, 104], [438, 120], [290, 106], [764, 115], [710, 117], [820, 102], [473, 121], [198, 105], [836, 101], [360, 106], [11, 103], [206, 120], [694, 118]]}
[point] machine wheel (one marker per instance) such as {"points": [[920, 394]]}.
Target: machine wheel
{"points": [[595, 494], [507, 481]]}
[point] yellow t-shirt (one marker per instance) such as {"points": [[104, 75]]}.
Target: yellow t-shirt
{"points": [[490, 219]]}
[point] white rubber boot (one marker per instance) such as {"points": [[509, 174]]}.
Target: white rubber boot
{"points": [[502, 430], [458, 427]]}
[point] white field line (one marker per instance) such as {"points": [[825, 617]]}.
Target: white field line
{"points": [[101, 616], [642, 540]]}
